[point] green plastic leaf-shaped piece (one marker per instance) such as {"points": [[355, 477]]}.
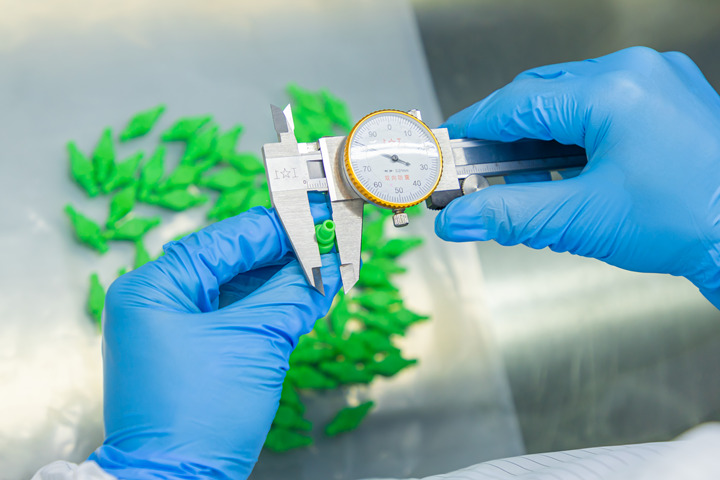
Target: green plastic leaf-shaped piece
{"points": [[132, 229], [407, 317], [229, 203], [398, 246], [226, 179], [382, 321], [96, 299], [287, 417], [182, 177], [390, 365], [337, 110], [291, 398], [247, 163], [200, 144], [305, 99], [348, 419], [177, 200], [282, 440], [311, 355], [303, 376], [340, 315], [372, 275], [372, 233], [151, 173], [142, 123], [121, 204], [125, 173], [86, 231], [142, 256], [377, 341], [104, 158], [257, 197], [82, 170], [347, 372], [227, 141], [354, 348], [377, 299], [185, 127]]}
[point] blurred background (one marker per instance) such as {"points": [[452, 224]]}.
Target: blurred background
{"points": [[528, 351]]}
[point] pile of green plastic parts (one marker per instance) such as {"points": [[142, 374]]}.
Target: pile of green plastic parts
{"points": [[353, 344]]}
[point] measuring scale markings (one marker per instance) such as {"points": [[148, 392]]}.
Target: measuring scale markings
{"points": [[394, 158]]}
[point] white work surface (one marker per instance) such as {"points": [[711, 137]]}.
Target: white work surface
{"points": [[71, 68]]}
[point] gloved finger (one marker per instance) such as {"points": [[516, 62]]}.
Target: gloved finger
{"points": [[527, 177], [319, 206], [527, 108], [535, 214], [192, 270], [286, 304]]}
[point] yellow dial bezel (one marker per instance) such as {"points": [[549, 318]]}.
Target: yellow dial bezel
{"points": [[352, 177]]}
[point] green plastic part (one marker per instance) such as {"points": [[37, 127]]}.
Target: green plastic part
{"points": [[226, 179], [291, 398], [151, 173], [390, 365], [200, 145], [96, 299], [122, 271], [142, 123], [373, 276], [142, 256], [287, 417], [406, 317], [282, 440], [348, 419], [125, 173], [377, 341], [353, 348], [227, 141], [325, 235], [398, 246], [256, 197], [340, 315], [104, 158], [132, 229], [346, 372], [185, 127], [372, 233], [388, 265], [382, 321], [177, 200], [337, 110], [82, 170], [377, 299], [228, 204], [303, 376], [86, 231], [182, 177], [247, 163], [306, 100], [121, 204], [311, 355]]}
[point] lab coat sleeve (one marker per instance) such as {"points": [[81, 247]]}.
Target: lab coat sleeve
{"points": [[71, 471]]}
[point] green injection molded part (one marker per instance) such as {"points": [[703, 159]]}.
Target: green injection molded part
{"points": [[96, 298], [354, 348], [185, 127], [121, 204], [388, 265], [303, 376], [311, 355], [325, 235], [405, 317], [348, 419], [377, 299], [200, 144], [377, 341], [104, 158], [282, 440], [82, 170], [382, 321], [177, 200], [227, 141], [132, 229], [86, 230], [390, 365], [340, 315], [371, 275], [141, 123], [125, 173], [291, 398], [337, 110], [247, 163], [142, 256], [122, 271], [182, 177], [229, 203], [372, 233], [151, 173], [256, 197], [226, 179], [306, 99], [398, 246], [346, 372], [288, 417]]}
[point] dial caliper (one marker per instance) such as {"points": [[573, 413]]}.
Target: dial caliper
{"points": [[393, 160]]}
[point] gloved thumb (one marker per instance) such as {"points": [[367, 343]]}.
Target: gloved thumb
{"points": [[561, 215]]}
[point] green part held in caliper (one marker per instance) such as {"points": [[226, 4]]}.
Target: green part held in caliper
{"points": [[325, 234]]}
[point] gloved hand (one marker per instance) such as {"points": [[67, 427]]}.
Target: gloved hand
{"points": [[648, 199], [191, 390]]}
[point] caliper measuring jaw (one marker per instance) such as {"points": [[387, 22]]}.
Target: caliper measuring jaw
{"points": [[294, 169]]}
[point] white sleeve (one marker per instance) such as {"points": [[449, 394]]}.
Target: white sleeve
{"points": [[70, 471]]}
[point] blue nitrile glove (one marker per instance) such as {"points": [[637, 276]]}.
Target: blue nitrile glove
{"points": [[191, 390], [648, 199]]}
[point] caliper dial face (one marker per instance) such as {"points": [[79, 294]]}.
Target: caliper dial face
{"points": [[392, 159]]}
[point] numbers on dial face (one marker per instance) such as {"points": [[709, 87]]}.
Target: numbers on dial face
{"points": [[395, 158]]}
